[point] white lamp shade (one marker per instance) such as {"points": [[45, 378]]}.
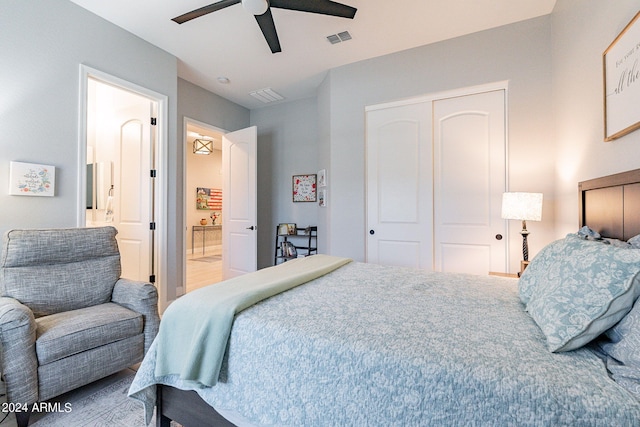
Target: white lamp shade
{"points": [[522, 206], [255, 7]]}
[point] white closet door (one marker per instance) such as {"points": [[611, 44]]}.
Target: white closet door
{"points": [[399, 186], [469, 179]]}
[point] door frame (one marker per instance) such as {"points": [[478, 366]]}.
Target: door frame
{"points": [[160, 160], [435, 96], [186, 121]]}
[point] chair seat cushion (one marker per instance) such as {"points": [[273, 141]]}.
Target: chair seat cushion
{"points": [[64, 334]]}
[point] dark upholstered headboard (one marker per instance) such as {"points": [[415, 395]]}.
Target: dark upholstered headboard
{"points": [[611, 205]]}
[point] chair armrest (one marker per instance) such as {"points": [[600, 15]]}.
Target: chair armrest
{"points": [[141, 297], [18, 364]]}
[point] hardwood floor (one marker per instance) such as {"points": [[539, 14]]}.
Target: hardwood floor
{"points": [[203, 270]]}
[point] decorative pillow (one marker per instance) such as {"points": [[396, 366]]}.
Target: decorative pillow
{"points": [[589, 234], [619, 243], [635, 241], [576, 289], [621, 345]]}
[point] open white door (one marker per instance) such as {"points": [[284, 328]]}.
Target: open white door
{"points": [[239, 209], [133, 191], [122, 142]]}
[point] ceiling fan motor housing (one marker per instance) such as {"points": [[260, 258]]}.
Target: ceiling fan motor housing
{"points": [[255, 7]]}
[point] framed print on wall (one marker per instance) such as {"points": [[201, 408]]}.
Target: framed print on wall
{"points": [[322, 178], [30, 179], [209, 199], [304, 188], [322, 197], [621, 68]]}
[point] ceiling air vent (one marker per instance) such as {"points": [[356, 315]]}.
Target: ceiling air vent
{"points": [[340, 37], [266, 95]]}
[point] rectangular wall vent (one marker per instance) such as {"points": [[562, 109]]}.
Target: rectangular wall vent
{"points": [[333, 38], [266, 95], [344, 36], [340, 37]]}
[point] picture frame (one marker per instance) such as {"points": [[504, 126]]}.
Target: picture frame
{"points": [[621, 75], [32, 179], [304, 188], [322, 197], [292, 229], [286, 229], [282, 230], [208, 199], [322, 178]]}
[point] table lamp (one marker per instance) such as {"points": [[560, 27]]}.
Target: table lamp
{"points": [[525, 207]]}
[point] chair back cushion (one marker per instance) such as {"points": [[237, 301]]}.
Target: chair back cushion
{"points": [[56, 270]]}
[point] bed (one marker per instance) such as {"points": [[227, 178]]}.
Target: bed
{"points": [[366, 344]]}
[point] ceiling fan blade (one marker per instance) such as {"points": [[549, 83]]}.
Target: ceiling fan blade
{"points": [[204, 10], [268, 27], [325, 7]]}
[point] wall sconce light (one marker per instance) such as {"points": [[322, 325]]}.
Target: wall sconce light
{"points": [[202, 146], [525, 207]]}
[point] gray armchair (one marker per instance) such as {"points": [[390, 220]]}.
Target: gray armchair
{"points": [[66, 316]]}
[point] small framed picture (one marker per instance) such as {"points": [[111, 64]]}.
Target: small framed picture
{"points": [[322, 178], [304, 188], [322, 197], [283, 229], [292, 229], [30, 179]]}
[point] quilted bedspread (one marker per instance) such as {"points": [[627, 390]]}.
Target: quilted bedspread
{"points": [[370, 345]]}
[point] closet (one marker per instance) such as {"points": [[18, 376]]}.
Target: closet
{"points": [[436, 171]]}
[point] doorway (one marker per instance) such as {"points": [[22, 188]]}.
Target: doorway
{"points": [[121, 151], [203, 204]]}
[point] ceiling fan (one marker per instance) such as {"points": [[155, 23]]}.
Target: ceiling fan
{"points": [[262, 11]]}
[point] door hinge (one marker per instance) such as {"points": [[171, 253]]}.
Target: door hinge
{"points": [[152, 278], [152, 226], [153, 121], [153, 173]]}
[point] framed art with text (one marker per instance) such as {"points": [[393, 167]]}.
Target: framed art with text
{"points": [[31, 179], [304, 188], [621, 68]]}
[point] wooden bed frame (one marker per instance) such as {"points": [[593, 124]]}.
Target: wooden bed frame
{"points": [[609, 205]]}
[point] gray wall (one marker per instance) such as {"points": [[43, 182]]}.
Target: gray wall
{"points": [[287, 146], [519, 53], [553, 65], [42, 44], [582, 31]]}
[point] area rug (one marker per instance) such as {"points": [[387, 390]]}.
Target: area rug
{"points": [[108, 406], [210, 258]]}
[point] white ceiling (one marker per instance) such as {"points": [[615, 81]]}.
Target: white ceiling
{"points": [[228, 43]]}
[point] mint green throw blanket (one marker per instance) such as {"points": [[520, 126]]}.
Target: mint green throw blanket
{"points": [[195, 328]]}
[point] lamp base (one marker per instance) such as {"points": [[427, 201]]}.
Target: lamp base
{"points": [[525, 244], [523, 266]]}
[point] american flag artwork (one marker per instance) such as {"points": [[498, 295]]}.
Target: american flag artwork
{"points": [[209, 199]]}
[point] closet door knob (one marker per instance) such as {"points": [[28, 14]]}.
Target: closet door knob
{"points": [[372, 232], [498, 236]]}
